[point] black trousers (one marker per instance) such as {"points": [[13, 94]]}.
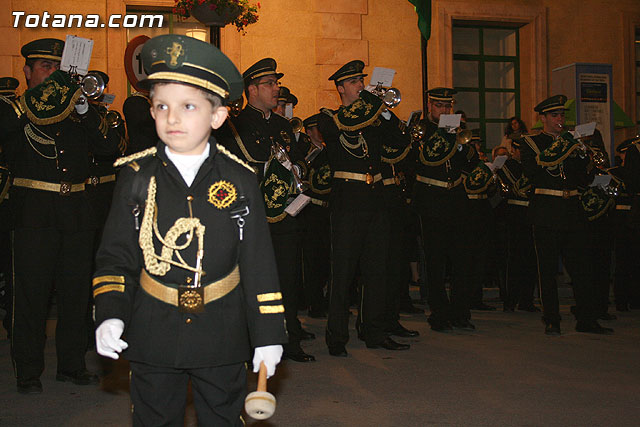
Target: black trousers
{"points": [[44, 258], [316, 249], [398, 272], [447, 239], [626, 282], [522, 273], [359, 242], [159, 394], [601, 244], [286, 240], [573, 247]]}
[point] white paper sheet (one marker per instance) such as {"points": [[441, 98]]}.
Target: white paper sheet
{"points": [[76, 54]]}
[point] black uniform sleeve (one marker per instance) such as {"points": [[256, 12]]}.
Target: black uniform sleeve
{"points": [[119, 259]]}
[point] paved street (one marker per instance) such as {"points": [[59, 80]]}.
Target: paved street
{"points": [[506, 373]]}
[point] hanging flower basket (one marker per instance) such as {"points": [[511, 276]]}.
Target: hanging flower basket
{"points": [[219, 13]]}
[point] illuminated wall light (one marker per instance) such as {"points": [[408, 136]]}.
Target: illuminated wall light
{"points": [[197, 34]]}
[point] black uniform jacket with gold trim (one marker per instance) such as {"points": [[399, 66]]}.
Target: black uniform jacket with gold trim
{"points": [[572, 174], [436, 201], [158, 333], [53, 153], [252, 134], [353, 194]]}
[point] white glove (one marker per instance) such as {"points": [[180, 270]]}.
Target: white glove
{"points": [[270, 355], [82, 105], [108, 342], [386, 114]]}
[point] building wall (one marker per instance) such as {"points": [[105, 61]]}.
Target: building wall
{"points": [[310, 39]]}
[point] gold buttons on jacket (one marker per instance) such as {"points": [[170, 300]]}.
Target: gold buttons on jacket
{"points": [[188, 321], [189, 198]]}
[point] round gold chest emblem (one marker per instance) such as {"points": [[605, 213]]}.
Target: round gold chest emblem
{"points": [[222, 194]]}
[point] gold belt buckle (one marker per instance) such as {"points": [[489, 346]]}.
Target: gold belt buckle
{"points": [[65, 188], [565, 194], [396, 179], [449, 185], [191, 299], [94, 181], [369, 178]]}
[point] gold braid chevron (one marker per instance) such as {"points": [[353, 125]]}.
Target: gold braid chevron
{"points": [[159, 265], [233, 157], [135, 156]]}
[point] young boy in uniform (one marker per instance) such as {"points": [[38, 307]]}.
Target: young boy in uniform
{"points": [[186, 282]]}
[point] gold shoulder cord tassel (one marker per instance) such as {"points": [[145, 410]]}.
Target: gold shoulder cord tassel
{"points": [[160, 265]]}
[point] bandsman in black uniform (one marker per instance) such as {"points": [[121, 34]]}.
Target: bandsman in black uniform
{"points": [[141, 129], [316, 243], [558, 169], [522, 274], [48, 138], [186, 272], [355, 135], [627, 233], [8, 87], [443, 206], [260, 136]]}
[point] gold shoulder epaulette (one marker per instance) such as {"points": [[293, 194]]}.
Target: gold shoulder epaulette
{"points": [[233, 157], [327, 111], [15, 105], [135, 156]]}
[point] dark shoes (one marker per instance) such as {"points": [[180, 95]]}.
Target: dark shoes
{"points": [[338, 351], [482, 306], [401, 331], [441, 326], [409, 308], [306, 335], [593, 328], [317, 313], [298, 356], [30, 386], [508, 308], [607, 316], [552, 329], [81, 377], [463, 324], [389, 344]]}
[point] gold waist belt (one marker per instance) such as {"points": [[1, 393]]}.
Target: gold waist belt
{"points": [[518, 202], [389, 181], [444, 184], [565, 194], [623, 207], [63, 188], [212, 291], [319, 202], [477, 196], [95, 180], [364, 177]]}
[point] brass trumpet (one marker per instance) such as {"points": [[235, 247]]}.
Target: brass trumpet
{"points": [[113, 119], [463, 136], [92, 85], [390, 96], [235, 106], [296, 124], [417, 132], [281, 155]]}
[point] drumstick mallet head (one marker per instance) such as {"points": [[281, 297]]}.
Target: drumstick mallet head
{"points": [[260, 404]]}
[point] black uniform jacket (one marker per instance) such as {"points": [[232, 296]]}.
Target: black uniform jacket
{"points": [[53, 153], [353, 194], [250, 315], [141, 127], [439, 202], [571, 174]]}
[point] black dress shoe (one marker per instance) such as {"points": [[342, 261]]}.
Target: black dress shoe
{"points": [[338, 351], [306, 335], [401, 331], [30, 386], [530, 308], [441, 326], [593, 328], [389, 344], [463, 324], [81, 377], [552, 329], [607, 316], [482, 306], [299, 356]]}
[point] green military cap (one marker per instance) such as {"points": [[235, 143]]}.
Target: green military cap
{"points": [[264, 67], [444, 94], [311, 121], [50, 49], [554, 103], [292, 99], [8, 86], [348, 71], [475, 135], [283, 94], [624, 145], [172, 58]]}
